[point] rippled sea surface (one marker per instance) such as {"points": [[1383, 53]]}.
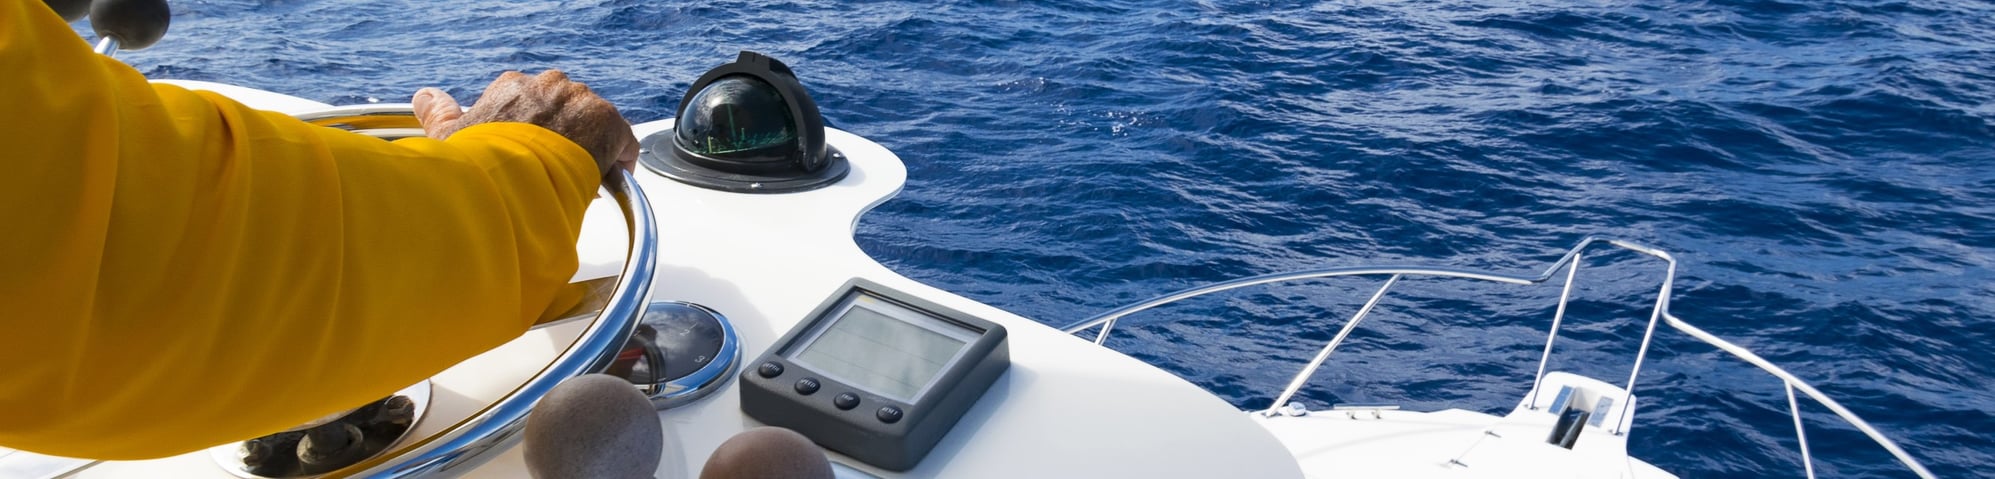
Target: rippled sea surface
{"points": [[1824, 171]]}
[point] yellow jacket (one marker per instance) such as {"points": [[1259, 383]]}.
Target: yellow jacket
{"points": [[179, 271]]}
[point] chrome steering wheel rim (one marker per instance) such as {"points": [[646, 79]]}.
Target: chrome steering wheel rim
{"points": [[476, 439]]}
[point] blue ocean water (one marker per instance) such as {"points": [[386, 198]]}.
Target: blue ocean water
{"points": [[1824, 170]]}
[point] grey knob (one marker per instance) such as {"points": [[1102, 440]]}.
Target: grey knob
{"points": [[767, 452], [593, 426]]}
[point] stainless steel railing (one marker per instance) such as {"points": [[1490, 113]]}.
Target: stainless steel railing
{"points": [[1571, 262]]}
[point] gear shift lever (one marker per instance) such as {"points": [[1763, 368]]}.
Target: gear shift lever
{"points": [[128, 24]]}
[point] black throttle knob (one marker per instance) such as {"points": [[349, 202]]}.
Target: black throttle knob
{"points": [[333, 445], [69, 9], [135, 24]]}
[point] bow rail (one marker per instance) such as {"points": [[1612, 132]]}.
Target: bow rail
{"points": [[1571, 263]]}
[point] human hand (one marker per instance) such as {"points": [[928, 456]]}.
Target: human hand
{"points": [[549, 100]]}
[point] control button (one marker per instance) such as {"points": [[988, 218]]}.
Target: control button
{"points": [[806, 386], [770, 369], [889, 414], [846, 401]]}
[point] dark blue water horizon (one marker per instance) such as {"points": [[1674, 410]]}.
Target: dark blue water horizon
{"points": [[1823, 170]]}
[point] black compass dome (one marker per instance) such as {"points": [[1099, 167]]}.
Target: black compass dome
{"points": [[747, 126], [739, 117]]}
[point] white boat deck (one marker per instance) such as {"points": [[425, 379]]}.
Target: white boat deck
{"points": [[1454, 443], [1444, 444]]}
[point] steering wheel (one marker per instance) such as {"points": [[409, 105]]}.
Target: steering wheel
{"points": [[489, 431]]}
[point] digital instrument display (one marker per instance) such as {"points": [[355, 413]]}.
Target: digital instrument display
{"points": [[876, 374], [883, 347]]}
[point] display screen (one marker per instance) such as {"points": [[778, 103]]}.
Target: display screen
{"points": [[883, 347]]}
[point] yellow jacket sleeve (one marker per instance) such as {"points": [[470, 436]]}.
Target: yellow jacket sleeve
{"points": [[179, 271]]}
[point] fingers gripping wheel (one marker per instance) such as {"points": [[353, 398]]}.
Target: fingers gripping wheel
{"points": [[747, 127]]}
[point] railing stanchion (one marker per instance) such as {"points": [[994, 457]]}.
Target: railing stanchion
{"points": [[1794, 409], [1310, 370], [1565, 295], [1662, 304]]}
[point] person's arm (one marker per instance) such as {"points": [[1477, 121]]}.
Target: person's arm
{"points": [[179, 271]]}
